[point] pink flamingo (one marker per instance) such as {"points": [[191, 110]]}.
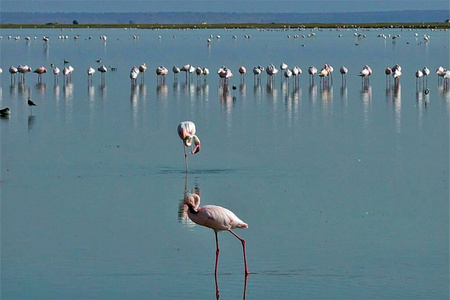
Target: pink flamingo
{"points": [[102, 69], [23, 69], [242, 71], [217, 218], [41, 70], [186, 132]]}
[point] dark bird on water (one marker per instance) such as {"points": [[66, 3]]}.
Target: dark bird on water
{"points": [[30, 102], [4, 112]]}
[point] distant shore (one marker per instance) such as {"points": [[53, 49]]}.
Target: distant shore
{"points": [[432, 25]]}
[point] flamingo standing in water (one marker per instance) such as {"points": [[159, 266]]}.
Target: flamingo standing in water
{"points": [[343, 70], [134, 74], [102, 69], [312, 71], [142, 69], [175, 71], [13, 71], [388, 72], [185, 69], [90, 72], [218, 219], [425, 72], [396, 73], [418, 74], [242, 71], [295, 72], [55, 71], [186, 132], [161, 72], [41, 70], [257, 73], [23, 70], [365, 73]]}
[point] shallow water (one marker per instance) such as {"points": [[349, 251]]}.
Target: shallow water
{"points": [[344, 188]]}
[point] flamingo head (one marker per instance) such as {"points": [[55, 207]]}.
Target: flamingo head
{"points": [[196, 144], [192, 200]]}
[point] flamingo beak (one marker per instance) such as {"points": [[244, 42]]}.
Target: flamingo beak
{"points": [[197, 144]]}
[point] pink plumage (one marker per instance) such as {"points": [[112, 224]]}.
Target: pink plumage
{"points": [[217, 218]]}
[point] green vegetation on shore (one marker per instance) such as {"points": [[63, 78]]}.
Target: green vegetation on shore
{"points": [[436, 25]]}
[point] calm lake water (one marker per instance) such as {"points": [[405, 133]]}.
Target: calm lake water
{"points": [[344, 188]]}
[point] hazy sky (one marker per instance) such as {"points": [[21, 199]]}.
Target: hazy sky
{"points": [[218, 5]]}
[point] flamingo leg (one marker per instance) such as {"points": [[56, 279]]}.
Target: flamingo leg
{"points": [[243, 248], [185, 157], [217, 253]]}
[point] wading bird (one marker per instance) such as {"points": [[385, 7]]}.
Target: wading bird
{"points": [[217, 218], [186, 131]]}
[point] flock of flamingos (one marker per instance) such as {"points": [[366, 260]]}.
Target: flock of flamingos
{"points": [[225, 73]]}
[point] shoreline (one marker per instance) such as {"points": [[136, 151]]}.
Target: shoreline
{"points": [[428, 25]]}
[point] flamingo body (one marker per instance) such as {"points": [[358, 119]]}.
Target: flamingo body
{"points": [[218, 219]]}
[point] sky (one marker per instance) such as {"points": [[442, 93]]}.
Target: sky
{"points": [[261, 6]]}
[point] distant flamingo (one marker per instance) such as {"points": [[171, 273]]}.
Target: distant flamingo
{"points": [[312, 71], [257, 73], [186, 131], [396, 73], [388, 72], [425, 72], [295, 72], [217, 218], [13, 71], [199, 72], [102, 69], [134, 74], [175, 71], [205, 73], [41, 70], [90, 72], [142, 69], [161, 72], [224, 74], [418, 74], [365, 73], [56, 72], [23, 70], [242, 71], [343, 70]]}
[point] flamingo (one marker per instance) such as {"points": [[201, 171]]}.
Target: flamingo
{"points": [[102, 69], [205, 73], [90, 72], [312, 71], [396, 73], [162, 71], [271, 71], [295, 72], [440, 72], [287, 74], [186, 68], [343, 70], [388, 72], [257, 72], [283, 66], [225, 74], [426, 72], [242, 71], [23, 70], [13, 71], [418, 74], [134, 74], [186, 132], [56, 72], [218, 219], [199, 72], [365, 73], [175, 71], [142, 69], [446, 77], [41, 70]]}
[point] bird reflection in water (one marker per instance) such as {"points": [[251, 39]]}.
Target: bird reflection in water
{"points": [[162, 91], [31, 121], [366, 97], [225, 97], [41, 88]]}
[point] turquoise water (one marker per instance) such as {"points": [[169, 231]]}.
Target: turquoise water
{"points": [[344, 188]]}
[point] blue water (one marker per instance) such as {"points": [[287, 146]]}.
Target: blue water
{"points": [[344, 188]]}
